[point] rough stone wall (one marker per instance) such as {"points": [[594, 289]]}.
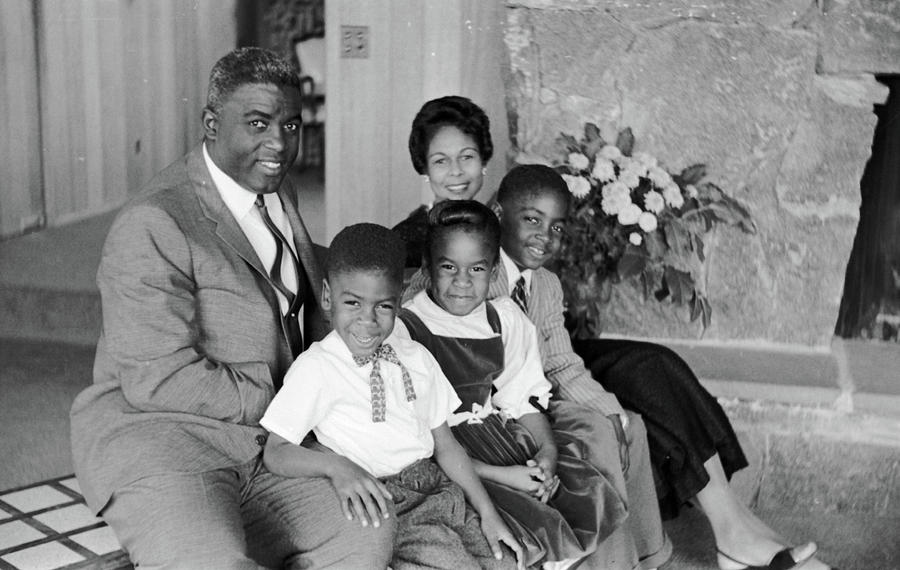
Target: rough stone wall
{"points": [[774, 96]]}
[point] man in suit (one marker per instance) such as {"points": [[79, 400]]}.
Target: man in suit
{"points": [[206, 278]]}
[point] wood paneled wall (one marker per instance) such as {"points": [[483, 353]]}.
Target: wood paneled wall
{"points": [[117, 87], [419, 50], [20, 150]]}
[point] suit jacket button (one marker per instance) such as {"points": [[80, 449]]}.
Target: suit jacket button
{"points": [[261, 440]]}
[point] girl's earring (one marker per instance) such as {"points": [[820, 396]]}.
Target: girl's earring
{"points": [[484, 171], [426, 179]]}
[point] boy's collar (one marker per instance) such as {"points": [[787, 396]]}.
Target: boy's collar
{"points": [[513, 272]]}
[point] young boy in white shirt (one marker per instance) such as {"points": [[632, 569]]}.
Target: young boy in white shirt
{"points": [[380, 404]]}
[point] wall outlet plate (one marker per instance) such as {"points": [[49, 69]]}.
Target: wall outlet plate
{"points": [[355, 41]]}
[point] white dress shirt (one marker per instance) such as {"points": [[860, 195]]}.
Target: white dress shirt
{"points": [[242, 205]]}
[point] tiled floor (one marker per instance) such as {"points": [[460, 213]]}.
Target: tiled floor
{"points": [[47, 526]]}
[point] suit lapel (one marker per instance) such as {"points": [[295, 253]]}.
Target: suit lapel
{"points": [[215, 209], [302, 242]]}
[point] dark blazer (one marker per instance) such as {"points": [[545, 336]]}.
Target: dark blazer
{"points": [[192, 337]]}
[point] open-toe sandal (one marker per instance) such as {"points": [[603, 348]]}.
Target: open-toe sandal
{"points": [[783, 560]]}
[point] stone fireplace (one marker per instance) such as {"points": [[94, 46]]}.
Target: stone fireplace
{"points": [[775, 97]]}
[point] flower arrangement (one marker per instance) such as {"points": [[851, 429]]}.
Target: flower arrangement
{"points": [[632, 219]]}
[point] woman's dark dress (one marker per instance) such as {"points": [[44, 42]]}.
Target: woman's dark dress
{"points": [[414, 230], [585, 509], [685, 424]]}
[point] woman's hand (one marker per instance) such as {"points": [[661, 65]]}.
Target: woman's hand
{"points": [[496, 531], [362, 496]]}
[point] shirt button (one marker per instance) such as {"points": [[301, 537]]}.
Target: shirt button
{"points": [[261, 439]]}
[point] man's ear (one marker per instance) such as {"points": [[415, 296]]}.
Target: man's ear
{"points": [[497, 209], [326, 295], [210, 123]]}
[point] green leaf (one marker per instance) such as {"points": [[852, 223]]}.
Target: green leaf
{"points": [[645, 286], [707, 312], [656, 247], [591, 133], [699, 248], [663, 290], [695, 307], [564, 144], [590, 149], [691, 175], [742, 214], [678, 237], [681, 285], [709, 192], [625, 141], [632, 262]]}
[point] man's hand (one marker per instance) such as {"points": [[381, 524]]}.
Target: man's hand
{"points": [[496, 531], [619, 423], [362, 496]]}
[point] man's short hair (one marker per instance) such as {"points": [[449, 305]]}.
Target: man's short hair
{"points": [[244, 66], [526, 181], [469, 216], [367, 247]]}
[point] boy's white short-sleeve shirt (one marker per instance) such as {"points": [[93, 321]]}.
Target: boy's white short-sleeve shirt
{"points": [[325, 392]]}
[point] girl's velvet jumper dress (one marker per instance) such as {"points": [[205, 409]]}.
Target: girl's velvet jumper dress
{"points": [[585, 509]]}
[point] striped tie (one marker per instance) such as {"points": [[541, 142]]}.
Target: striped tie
{"points": [[518, 295], [291, 322]]}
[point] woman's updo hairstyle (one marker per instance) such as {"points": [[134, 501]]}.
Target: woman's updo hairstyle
{"points": [[454, 111], [469, 216]]}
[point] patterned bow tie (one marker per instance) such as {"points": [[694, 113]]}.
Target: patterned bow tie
{"points": [[376, 382]]}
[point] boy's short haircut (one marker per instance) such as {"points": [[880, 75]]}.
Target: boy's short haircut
{"points": [[529, 180], [470, 216], [367, 247]]}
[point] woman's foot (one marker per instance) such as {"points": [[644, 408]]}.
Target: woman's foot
{"points": [[784, 559]]}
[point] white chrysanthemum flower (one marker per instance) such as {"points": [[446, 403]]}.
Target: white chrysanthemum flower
{"points": [[672, 195], [578, 185], [626, 163], [610, 152], [635, 238], [654, 202], [615, 197], [630, 179], [691, 190], [645, 159], [629, 214], [604, 171], [633, 166], [647, 222], [659, 177], [578, 160]]}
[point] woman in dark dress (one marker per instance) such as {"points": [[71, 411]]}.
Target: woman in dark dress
{"points": [[450, 146]]}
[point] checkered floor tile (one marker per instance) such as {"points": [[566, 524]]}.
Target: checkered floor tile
{"points": [[46, 526]]}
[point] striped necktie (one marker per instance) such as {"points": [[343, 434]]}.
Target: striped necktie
{"points": [[295, 301], [519, 296]]}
